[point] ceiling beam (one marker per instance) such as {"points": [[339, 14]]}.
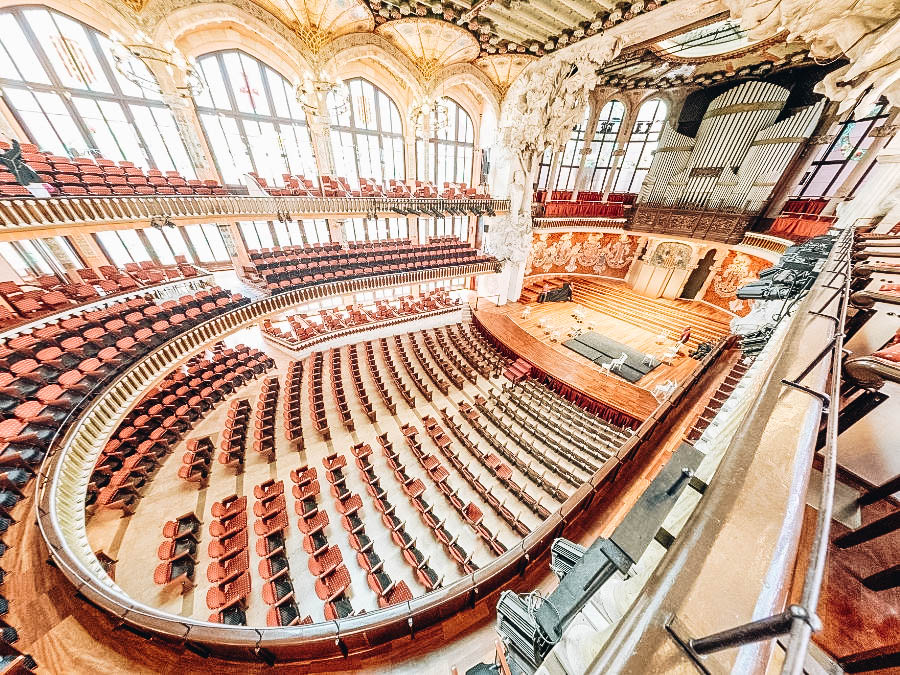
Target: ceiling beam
{"points": [[528, 30], [587, 10], [522, 29]]}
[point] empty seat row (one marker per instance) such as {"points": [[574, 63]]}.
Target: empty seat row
{"points": [[439, 474], [414, 490], [178, 553]]}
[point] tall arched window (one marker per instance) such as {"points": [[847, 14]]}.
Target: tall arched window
{"points": [[450, 156], [59, 79], [571, 156], [599, 161], [543, 176], [836, 160], [367, 135], [641, 145], [252, 119]]}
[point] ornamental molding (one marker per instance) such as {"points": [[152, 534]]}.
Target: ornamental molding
{"points": [[867, 34]]}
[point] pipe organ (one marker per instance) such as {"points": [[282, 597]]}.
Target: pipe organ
{"points": [[738, 155]]}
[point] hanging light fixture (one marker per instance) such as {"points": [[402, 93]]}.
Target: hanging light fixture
{"points": [[425, 107], [336, 93], [130, 59]]}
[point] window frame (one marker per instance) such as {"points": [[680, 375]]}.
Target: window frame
{"points": [[68, 97]]}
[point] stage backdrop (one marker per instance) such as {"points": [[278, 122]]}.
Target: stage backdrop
{"points": [[736, 270], [607, 255]]}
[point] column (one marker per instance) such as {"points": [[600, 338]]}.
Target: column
{"points": [[9, 127], [241, 257], [881, 135], [88, 249], [175, 90], [589, 132], [621, 141], [314, 100]]}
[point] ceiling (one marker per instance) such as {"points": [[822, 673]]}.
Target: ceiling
{"points": [[703, 56]]}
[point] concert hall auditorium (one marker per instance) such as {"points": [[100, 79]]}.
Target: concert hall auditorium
{"points": [[464, 337]]}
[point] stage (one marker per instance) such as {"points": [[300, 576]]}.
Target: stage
{"points": [[530, 338]]}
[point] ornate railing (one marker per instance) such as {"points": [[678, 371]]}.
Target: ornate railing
{"points": [[62, 487], [724, 226], [766, 242], [301, 347], [591, 224], [29, 214]]}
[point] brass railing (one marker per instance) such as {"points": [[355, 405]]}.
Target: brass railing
{"points": [[25, 215], [62, 486]]}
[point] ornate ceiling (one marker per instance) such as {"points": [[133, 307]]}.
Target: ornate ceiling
{"points": [[702, 56]]}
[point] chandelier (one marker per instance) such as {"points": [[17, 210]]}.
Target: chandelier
{"points": [[316, 87], [130, 60], [425, 109]]}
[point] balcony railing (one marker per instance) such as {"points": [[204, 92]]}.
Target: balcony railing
{"points": [[62, 486], [27, 214], [766, 242]]}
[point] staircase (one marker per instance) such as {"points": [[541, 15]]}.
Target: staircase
{"points": [[519, 370], [715, 403], [668, 316]]}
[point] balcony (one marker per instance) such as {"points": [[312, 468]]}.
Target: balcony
{"points": [[25, 215]]}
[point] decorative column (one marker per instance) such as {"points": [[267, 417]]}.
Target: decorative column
{"points": [[882, 136], [88, 249], [313, 96], [589, 132], [9, 127], [177, 79], [632, 100]]}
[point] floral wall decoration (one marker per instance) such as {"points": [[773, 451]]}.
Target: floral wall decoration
{"points": [[736, 270], [672, 255], [608, 255]]}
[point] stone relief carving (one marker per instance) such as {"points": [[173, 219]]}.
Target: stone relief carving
{"points": [[867, 33], [508, 237]]}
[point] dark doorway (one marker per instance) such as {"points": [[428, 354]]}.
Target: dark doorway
{"points": [[698, 276]]}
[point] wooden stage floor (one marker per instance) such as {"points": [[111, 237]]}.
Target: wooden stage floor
{"points": [[533, 343]]}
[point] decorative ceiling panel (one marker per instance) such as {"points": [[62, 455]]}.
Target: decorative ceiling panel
{"points": [[502, 69], [430, 43]]}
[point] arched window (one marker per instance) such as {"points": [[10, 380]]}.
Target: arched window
{"points": [[571, 156], [252, 119], [543, 176], [837, 159], [599, 161], [641, 145], [61, 83], [367, 135], [450, 156]]}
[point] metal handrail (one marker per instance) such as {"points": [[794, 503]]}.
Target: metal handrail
{"points": [[800, 620]]}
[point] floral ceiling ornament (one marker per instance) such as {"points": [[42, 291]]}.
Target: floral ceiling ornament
{"points": [[867, 33]]}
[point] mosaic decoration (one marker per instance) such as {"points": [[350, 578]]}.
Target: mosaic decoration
{"points": [[608, 255], [736, 270], [672, 255]]}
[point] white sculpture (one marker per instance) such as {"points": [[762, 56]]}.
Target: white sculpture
{"points": [[615, 364]]}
